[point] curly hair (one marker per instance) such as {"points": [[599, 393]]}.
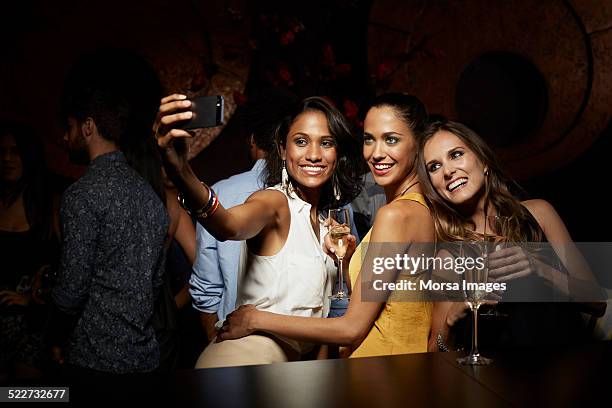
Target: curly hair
{"points": [[349, 164]]}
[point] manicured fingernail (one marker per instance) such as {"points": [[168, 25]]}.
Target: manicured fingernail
{"points": [[188, 114], [182, 96]]}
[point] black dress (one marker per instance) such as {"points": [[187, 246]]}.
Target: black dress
{"points": [[515, 322], [23, 253]]}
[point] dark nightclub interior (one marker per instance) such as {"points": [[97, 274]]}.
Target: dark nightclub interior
{"points": [[547, 96], [532, 77]]}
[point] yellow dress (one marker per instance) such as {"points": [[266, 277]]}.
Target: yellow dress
{"points": [[401, 327]]}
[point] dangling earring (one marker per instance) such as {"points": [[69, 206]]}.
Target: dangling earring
{"points": [[486, 172], [336, 188], [284, 177]]}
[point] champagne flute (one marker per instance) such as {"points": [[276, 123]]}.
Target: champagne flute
{"points": [[474, 276], [496, 230], [339, 228]]}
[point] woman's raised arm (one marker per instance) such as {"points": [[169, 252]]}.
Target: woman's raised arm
{"points": [[239, 223]]}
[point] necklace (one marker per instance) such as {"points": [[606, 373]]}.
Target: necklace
{"points": [[406, 189]]}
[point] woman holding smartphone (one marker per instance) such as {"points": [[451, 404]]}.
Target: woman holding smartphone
{"points": [[283, 267]]}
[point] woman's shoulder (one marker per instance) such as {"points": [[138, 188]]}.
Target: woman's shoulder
{"points": [[539, 209], [535, 203], [548, 219], [407, 220], [270, 196], [414, 197], [404, 209]]}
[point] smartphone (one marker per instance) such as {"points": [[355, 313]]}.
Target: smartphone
{"points": [[207, 112]]}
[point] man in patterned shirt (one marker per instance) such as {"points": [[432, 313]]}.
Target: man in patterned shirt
{"points": [[114, 227]]}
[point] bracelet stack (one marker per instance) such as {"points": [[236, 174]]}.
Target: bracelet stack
{"points": [[207, 209], [440, 343]]}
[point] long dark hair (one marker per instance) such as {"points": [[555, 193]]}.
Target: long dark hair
{"points": [[347, 175], [34, 181], [450, 224]]}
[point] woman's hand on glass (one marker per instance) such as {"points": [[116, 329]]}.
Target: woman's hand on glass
{"points": [[511, 263], [330, 248], [456, 312], [173, 110], [237, 324]]}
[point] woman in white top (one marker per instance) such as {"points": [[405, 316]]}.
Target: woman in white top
{"points": [[317, 165]]}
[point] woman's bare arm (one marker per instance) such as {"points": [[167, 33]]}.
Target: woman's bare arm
{"points": [[262, 209], [579, 282], [185, 235], [354, 326], [242, 222]]}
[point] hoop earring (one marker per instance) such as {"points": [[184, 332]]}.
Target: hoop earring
{"points": [[336, 188], [284, 177]]}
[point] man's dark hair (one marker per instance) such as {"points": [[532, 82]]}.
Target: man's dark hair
{"points": [[108, 110], [115, 84], [263, 111]]}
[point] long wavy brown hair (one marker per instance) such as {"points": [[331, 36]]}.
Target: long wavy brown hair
{"points": [[453, 226]]}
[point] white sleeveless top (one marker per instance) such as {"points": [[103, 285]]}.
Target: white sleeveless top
{"points": [[295, 281]]}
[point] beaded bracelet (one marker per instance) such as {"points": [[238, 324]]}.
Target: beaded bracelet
{"points": [[440, 343]]}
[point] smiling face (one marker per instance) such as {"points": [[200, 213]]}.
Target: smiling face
{"points": [[11, 165], [310, 150], [455, 171], [389, 147]]}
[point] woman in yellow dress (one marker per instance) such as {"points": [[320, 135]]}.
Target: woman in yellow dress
{"points": [[372, 325]]}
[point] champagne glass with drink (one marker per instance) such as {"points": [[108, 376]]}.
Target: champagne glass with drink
{"points": [[473, 282], [339, 225], [496, 229]]}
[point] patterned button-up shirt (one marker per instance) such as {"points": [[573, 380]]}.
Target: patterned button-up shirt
{"points": [[114, 227]]}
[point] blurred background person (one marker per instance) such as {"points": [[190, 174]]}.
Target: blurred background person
{"points": [[29, 241], [114, 228]]}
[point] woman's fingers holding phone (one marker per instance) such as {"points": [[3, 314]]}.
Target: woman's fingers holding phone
{"points": [[173, 97], [173, 106], [168, 120], [171, 140], [171, 110], [165, 141]]}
